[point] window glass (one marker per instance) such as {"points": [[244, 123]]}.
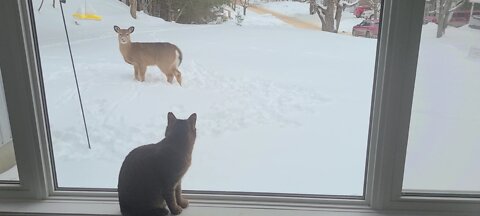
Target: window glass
{"points": [[283, 107], [444, 139], [8, 169]]}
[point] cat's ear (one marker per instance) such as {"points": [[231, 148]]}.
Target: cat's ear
{"points": [[171, 118], [193, 119]]}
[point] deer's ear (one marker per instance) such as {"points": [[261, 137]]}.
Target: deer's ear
{"points": [[130, 30], [116, 28]]}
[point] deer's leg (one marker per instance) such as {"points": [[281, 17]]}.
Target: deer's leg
{"points": [[167, 73], [178, 76], [170, 78], [135, 68], [141, 70]]}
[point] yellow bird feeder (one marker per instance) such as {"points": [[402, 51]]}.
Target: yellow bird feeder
{"points": [[85, 12]]}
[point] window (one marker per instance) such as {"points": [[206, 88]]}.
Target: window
{"points": [[388, 137], [443, 143], [8, 170], [272, 108]]}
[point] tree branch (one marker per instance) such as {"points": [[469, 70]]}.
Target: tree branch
{"points": [[346, 3], [41, 4], [459, 4]]}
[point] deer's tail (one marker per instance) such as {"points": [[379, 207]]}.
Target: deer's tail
{"points": [[180, 55]]}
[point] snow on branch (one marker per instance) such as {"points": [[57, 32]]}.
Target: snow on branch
{"points": [[347, 3], [459, 4], [321, 6]]}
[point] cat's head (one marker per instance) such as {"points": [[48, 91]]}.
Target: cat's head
{"points": [[181, 127]]}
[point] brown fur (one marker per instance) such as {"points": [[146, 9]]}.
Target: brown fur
{"points": [[166, 56], [151, 175]]}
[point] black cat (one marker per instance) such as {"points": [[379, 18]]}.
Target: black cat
{"points": [[151, 174]]}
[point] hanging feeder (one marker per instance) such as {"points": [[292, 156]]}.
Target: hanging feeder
{"points": [[85, 12]]}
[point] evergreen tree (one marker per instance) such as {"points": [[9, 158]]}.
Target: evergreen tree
{"points": [[183, 11]]}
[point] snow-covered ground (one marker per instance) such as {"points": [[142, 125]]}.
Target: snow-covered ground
{"points": [[272, 109], [279, 109], [289, 8], [444, 142], [10, 175]]}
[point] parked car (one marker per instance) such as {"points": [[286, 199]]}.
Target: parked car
{"points": [[359, 10], [367, 28], [458, 18], [475, 22]]}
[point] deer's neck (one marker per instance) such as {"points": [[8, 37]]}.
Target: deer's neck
{"points": [[125, 48]]}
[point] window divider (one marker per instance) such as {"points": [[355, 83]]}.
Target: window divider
{"points": [[18, 62]]}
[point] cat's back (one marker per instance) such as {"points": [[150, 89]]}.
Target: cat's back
{"points": [[141, 158], [137, 166]]}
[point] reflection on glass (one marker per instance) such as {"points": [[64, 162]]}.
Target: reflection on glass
{"points": [[444, 140], [8, 169], [282, 105]]}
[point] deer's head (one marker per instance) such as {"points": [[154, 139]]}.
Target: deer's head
{"points": [[123, 34]]}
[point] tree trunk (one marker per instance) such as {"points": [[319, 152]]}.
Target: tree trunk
{"points": [[145, 5], [338, 15], [443, 16], [329, 16], [133, 8]]}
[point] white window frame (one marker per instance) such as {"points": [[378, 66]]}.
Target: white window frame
{"points": [[390, 117]]}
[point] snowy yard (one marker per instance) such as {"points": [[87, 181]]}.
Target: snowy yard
{"points": [[279, 109]]}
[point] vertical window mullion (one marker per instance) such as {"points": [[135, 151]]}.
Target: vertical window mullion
{"points": [[20, 83], [396, 69]]}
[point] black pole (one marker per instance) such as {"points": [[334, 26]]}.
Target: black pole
{"points": [[75, 74]]}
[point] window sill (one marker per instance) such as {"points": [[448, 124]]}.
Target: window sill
{"points": [[110, 207]]}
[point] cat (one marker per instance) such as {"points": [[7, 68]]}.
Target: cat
{"points": [[150, 176]]}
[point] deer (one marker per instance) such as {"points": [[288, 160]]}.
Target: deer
{"points": [[166, 56]]}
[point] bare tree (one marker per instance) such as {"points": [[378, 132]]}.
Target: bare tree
{"points": [[329, 12], [145, 5], [375, 5], [133, 8], [234, 5], [181, 10], [245, 4], [443, 13]]}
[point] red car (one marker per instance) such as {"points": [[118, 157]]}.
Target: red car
{"points": [[367, 28], [359, 10]]}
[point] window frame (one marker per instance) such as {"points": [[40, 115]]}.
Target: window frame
{"points": [[392, 97]]}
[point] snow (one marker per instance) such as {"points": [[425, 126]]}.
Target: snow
{"points": [[444, 140], [289, 8], [271, 108], [279, 109], [254, 19], [9, 175]]}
